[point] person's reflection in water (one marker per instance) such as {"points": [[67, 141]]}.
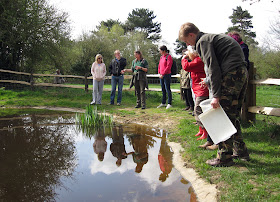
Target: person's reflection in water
{"points": [[100, 144], [140, 154], [117, 147], [164, 159]]}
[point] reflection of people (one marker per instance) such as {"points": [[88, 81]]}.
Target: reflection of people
{"points": [[164, 159], [117, 147], [228, 78], [58, 80], [139, 68], [140, 154], [98, 71], [100, 144], [115, 68]]}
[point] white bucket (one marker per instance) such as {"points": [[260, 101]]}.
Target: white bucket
{"points": [[216, 122]]}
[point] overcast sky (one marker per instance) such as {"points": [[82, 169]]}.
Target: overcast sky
{"points": [[209, 15]]}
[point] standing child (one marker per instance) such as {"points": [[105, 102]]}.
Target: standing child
{"points": [[196, 67]]}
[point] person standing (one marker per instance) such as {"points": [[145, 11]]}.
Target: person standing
{"points": [[164, 70], [98, 71], [228, 78], [115, 70], [139, 69]]}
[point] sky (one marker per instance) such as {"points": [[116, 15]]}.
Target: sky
{"points": [[211, 16]]}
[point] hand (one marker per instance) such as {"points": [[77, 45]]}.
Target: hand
{"points": [[161, 76], [123, 71], [215, 103], [137, 67], [202, 83], [185, 57]]}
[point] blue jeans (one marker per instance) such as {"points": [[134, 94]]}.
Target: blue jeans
{"points": [[165, 87], [114, 81]]}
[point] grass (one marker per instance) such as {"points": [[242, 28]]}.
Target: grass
{"points": [[257, 180]]}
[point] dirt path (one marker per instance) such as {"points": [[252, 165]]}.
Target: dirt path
{"points": [[204, 190]]}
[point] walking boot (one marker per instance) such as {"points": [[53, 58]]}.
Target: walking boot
{"points": [[204, 135], [218, 163], [200, 132], [204, 146], [212, 147]]}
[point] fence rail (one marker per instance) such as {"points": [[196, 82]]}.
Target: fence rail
{"points": [[248, 110]]}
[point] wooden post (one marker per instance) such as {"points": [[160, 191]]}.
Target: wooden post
{"points": [[250, 99], [31, 81], [86, 82]]}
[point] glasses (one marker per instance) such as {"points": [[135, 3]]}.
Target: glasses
{"points": [[99, 58]]}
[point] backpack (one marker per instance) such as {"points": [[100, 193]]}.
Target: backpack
{"points": [[173, 67]]}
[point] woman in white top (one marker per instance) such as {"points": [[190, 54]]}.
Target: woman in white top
{"points": [[98, 71]]}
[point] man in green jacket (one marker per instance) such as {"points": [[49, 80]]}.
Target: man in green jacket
{"points": [[228, 80]]}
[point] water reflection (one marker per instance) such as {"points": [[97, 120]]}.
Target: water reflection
{"points": [[48, 158], [33, 157]]}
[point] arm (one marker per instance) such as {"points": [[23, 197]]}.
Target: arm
{"points": [[104, 71], [92, 69], [194, 66], [110, 68]]}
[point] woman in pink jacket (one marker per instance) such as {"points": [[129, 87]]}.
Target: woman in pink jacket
{"points": [[98, 71], [164, 70], [196, 67]]}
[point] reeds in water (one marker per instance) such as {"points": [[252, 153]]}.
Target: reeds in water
{"points": [[91, 120]]}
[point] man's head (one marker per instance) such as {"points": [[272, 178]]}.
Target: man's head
{"points": [[188, 33], [117, 54]]}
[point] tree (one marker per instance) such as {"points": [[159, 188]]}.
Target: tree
{"points": [[110, 23], [241, 20], [180, 46], [31, 30], [141, 19]]}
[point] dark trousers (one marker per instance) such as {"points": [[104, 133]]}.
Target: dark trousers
{"points": [[140, 86], [188, 97], [165, 88]]}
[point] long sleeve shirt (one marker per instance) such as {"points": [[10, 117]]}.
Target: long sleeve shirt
{"points": [[221, 54], [98, 71], [196, 67], [164, 66]]}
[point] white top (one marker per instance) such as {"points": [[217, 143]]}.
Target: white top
{"points": [[98, 71]]}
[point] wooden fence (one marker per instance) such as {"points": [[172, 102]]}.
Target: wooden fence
{"points": [[248, 110]]}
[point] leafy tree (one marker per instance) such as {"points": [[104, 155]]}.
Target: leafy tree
{"points": [[31, 30], [110, 23], [141, 19], [242, 23], [180, 46]]}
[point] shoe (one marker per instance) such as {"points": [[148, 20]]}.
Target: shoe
{"points": [[119, 104], [111, 103], [200, 132], [137, 106], [204, 135], [191, 109], [218, 163], [245, 157], [212, 147], [161, 105], [143, 107], [168, 106], [186, 109], [92, 103], [207, 144]]}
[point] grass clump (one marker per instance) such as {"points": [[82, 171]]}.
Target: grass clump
{"points": [[92, 120]]}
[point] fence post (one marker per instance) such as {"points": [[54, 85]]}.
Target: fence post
{"points": [[31, 81], [250, 99], [86, 82]]}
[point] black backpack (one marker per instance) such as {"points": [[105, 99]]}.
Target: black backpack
{"points": [[173, 67]]}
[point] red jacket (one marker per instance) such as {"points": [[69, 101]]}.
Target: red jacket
{"points": [[164, 67], [196, 67]]}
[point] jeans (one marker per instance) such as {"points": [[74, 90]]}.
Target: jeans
{"points": [[140, 86], [97, 91], [165, 87], [114, 81]]}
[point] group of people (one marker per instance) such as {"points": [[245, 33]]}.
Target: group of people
{"points": [[216, 65], [139, 69]]}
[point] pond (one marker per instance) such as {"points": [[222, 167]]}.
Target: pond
{"points": [[45, 157]]}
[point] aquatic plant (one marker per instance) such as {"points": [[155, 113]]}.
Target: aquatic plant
{"points": [[92, 120]]}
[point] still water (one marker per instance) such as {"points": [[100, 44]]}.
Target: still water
{"points": [[45, 157]]}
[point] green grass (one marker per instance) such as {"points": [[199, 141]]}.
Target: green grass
{"points": [[257, 180]]}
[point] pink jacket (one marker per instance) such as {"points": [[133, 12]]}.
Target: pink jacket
{"points": [[98, 71], [164, 67]]}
